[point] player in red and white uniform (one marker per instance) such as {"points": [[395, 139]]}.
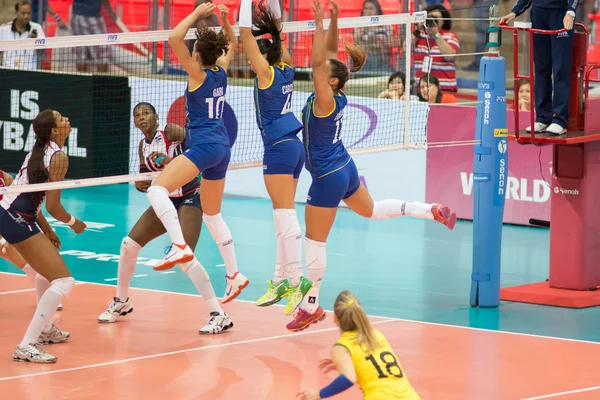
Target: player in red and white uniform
{"points": [[19, 218], [9, 253], [156, 150]]}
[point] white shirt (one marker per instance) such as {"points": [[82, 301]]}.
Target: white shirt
{"points": [[20, 59]]}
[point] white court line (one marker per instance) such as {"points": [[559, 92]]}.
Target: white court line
{"points": [[469, 328], [18, 291], [111, 279], [168, 272], [30, 289], [170, 353], [140, 275], [548, 396]]}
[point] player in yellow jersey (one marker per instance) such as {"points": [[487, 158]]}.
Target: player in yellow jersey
{"points": [[362, 355]]}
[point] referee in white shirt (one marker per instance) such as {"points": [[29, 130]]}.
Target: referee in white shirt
{"points": [[21, 28]]}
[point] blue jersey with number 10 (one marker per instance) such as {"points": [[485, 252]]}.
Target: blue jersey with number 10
{"points": [[204, 107], [325, 152], [274, 105]]}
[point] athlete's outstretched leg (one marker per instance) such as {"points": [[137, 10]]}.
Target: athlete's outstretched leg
{"points": [[146, 229], [287, 278], [43, 257], [362, 203], [176, 174], [191, 224], [211, 193], [319, 221]]}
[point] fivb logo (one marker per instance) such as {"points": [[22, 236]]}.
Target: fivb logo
{"points": [[312, 24], [40, 42], [374, 20], [112, 38]]}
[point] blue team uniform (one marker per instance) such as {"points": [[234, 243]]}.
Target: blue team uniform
{"points": [[334, 174], [278, 126], [205, 132], [552, 57]]}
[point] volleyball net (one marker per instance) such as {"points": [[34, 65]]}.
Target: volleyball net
{"points": [[97, 80]]}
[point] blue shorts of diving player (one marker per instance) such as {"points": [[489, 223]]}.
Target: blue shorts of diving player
{"points": [[286, 157], [191, 199], [16, 227], [212, 159], [328, 190]]}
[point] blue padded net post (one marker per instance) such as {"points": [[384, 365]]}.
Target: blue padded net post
{"points": [[490, 177]]}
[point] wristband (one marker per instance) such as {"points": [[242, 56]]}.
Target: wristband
{"points": [[2, 243], [72, 221], [340, 384], [275, 9]]}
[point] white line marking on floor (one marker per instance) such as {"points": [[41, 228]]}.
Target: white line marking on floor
{"points": [[168, 272], [547, 396], [140, 275], [469, 328], [170, 353], [110, 279], [220, 265]]}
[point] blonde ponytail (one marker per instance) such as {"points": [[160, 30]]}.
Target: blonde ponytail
{"points": [[352, 317]]}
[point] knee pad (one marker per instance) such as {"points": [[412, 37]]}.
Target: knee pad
{"points": [[62, 286], [158, 197], [129, 249], [218, 228], [287, 223]]}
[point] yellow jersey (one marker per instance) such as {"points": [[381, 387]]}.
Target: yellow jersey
{"points": [[379, 374]]}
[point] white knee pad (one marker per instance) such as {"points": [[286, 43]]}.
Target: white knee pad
{"points": [[218, 228], [156, 196], [129, 249], [287, 222], [62, 286]]}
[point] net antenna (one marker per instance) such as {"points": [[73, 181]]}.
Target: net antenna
{"points": [[100, 105]]}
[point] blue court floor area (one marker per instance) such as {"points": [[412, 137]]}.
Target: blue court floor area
{"points": [[402, 268]]}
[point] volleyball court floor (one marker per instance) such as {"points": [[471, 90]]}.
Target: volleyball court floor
{"points": [[412, 276]]}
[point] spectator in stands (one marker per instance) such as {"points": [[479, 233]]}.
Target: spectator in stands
{"points": [[87, 20], [434, 47], [46, 9], [378, 41], [429, 90], [395, 89], [21, 28], [524, 94]]}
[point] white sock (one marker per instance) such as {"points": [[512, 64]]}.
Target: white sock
{"points": [[165, 210], [127, 261], [291, 236], [316, 263], [222, 236], [387, 209], [30, 272], [41, 285], [46, 308], [280, 268], [201, 281]]}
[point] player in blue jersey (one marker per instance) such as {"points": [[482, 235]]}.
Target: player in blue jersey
{"points": [[334, 174], [283, 151], [18, 211], [208, 144], [159, 147]]}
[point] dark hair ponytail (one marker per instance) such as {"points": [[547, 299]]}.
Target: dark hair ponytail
{"points": [[36, 170], [264, 23]]}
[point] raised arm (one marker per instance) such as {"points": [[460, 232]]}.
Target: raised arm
{"points": [[225, 59], [259, 64], [324, 102], [333, 38], [175, 133], [176, 40], [275, 9]]}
